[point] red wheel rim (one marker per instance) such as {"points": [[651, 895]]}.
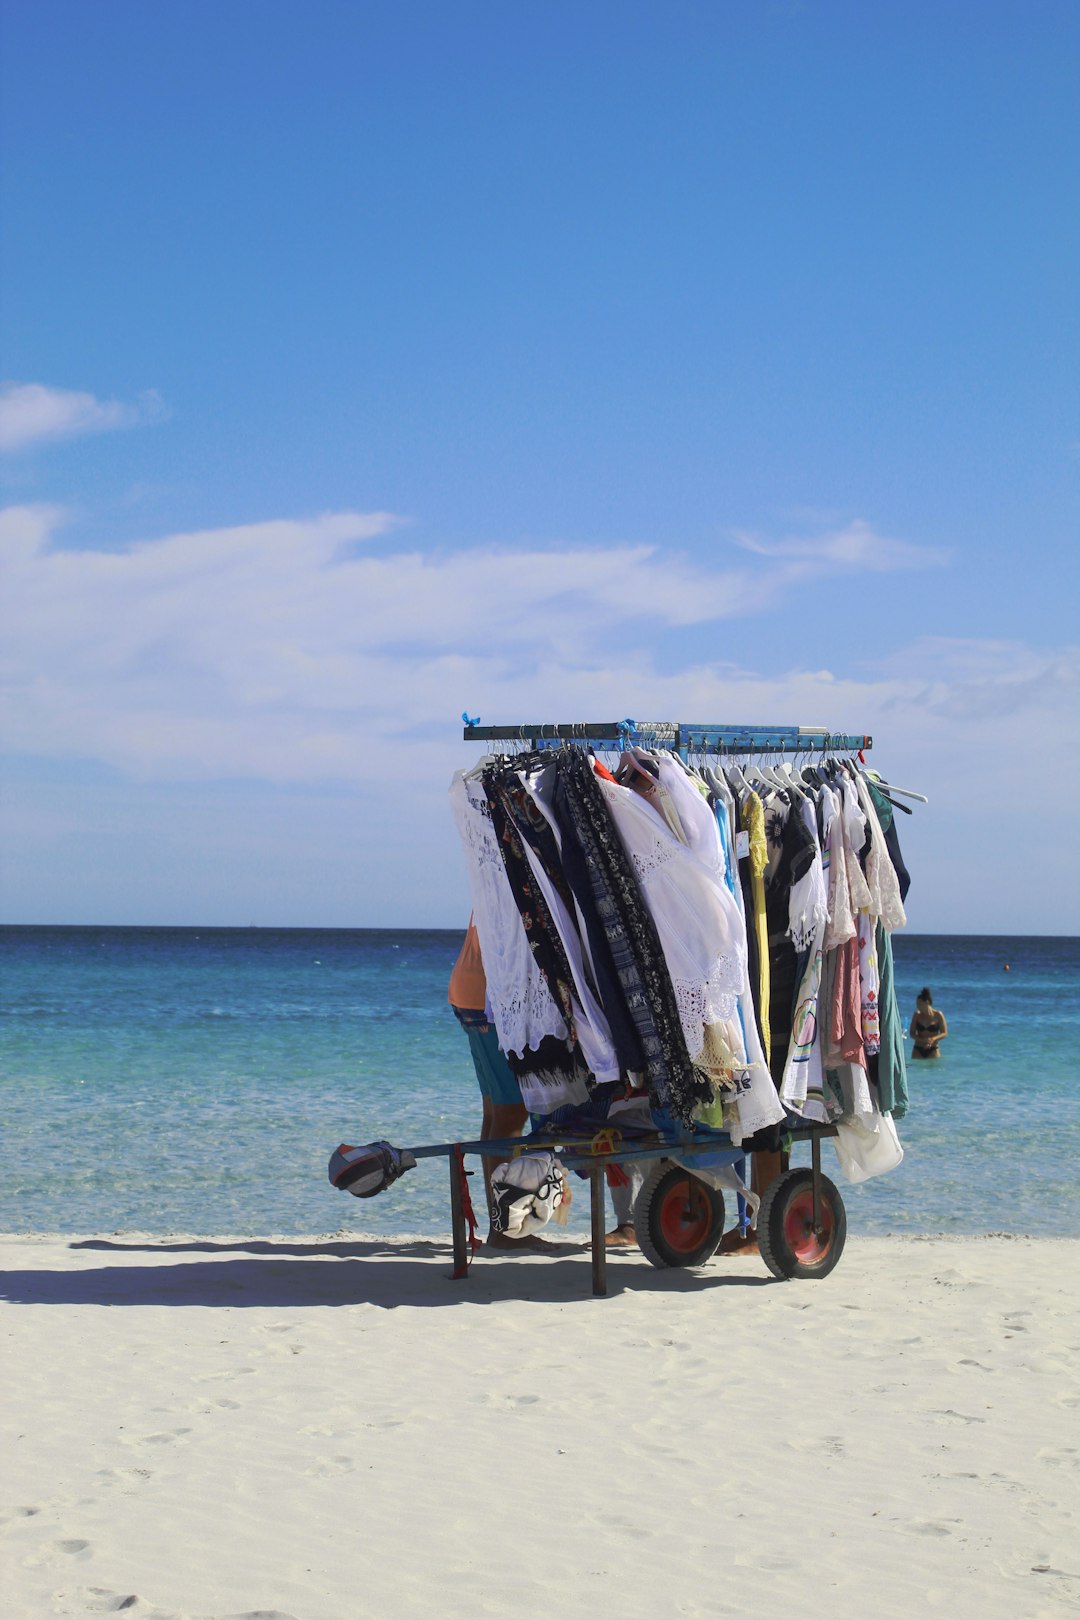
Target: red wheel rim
{"points": [[808, 1247], [685, 1217]]}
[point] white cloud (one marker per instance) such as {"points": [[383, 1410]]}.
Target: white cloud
{"points": [[280, 651], [857, 545], [31, 413], [285, 653]]}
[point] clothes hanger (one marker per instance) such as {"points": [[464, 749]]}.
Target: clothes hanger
{"points": [[630, 768], [786, 771], [771, 776], [908, 793], [736, 780]]}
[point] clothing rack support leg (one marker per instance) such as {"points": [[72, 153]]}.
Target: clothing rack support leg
{"points": [[599, 1248], [815, 1173], [457, 1218]]}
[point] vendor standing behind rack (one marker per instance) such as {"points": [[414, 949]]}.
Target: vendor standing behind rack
{"points": [[505, 1114]]}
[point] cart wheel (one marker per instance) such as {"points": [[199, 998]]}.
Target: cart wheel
{"points": [[678, 1219], [790, 1245]]}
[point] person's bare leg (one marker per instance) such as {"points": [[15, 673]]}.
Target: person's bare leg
{"points": [[486, 1133], [623, 1235], [500, 1120], [764, 1169]]}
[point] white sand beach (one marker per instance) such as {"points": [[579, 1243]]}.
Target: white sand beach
{"points": [[332, 1430]]}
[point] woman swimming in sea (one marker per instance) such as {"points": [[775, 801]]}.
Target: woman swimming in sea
{"points": [[928, 1027]]}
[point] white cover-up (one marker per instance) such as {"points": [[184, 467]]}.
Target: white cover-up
{"points": [[853, 821], [521, 1005], [697, 921], [880, 873], [841, 925]]}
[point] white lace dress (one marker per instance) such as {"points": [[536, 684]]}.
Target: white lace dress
{"points": [[696, 918], [881, 875], [521, 1005]]}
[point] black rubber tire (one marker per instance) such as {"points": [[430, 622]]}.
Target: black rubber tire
{"points": [[665, 1235], [789, 1245]]}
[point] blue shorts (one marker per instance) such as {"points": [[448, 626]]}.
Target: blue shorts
{"points": [[496, 1078]]}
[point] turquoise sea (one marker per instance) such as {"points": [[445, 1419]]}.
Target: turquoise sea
{"points": [[196, 1080]]}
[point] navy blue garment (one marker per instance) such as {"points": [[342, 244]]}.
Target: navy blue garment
{"points": [[593, 1115]]}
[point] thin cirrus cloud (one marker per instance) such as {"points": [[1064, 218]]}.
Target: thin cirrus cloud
{"points": [[33, 414], [856, 545]]}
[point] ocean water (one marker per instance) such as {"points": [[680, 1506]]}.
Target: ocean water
{"points": [[196, 1080]]}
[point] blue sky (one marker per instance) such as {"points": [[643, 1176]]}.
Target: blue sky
{"points": [[369, 362]]}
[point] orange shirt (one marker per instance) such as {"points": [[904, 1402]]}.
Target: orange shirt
{"points": [[468, 982]]}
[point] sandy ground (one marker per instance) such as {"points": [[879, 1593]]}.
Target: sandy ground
{"points": [[332, 1430]]}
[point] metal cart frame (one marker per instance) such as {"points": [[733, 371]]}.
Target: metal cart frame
{"points": [[803, 1239]]}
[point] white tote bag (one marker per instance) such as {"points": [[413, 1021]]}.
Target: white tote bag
{"points": [[867, 1148]]}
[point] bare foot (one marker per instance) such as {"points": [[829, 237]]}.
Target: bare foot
{"points": [[623, 1237], [734, 1242]]}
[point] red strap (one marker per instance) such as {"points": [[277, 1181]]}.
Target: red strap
{"points": [[616, 1176], [469, 1212]]}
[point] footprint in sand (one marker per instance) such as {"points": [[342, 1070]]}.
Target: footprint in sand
{"points": [[952, 1279], [165, 1437], [13, 1515], [99, 1600], [505, 1402], [830, 1444], [328, 1467], [125, 1477], [1057, 1456], [72, 1547], [928, 1527], [255, 1614]]}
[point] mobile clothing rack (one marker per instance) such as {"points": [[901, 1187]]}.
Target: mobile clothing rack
{"points": [[678, 1216]]}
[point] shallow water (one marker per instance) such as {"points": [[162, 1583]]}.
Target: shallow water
{"points": [[197, 1080]]}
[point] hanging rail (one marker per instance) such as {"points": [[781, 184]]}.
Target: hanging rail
{"points": [[684, 737]]}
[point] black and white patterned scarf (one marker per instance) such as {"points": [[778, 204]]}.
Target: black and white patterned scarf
{"points": [[673, 1081]]}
